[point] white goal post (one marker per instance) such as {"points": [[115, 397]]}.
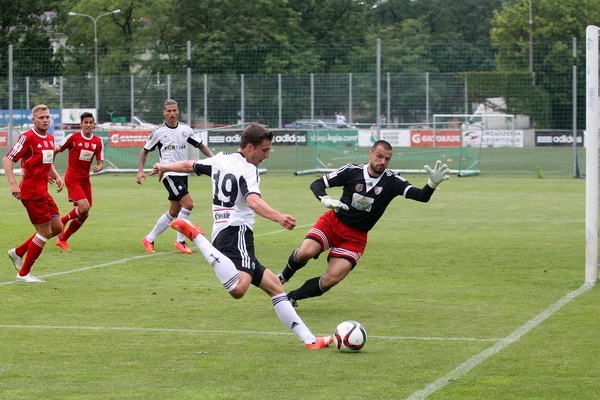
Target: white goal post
{"points": [[591, 166]]}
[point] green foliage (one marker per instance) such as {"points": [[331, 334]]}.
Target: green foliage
{"points": [[538, 172], [148, 39], [555, 24], [22, 26], [534, 102]]}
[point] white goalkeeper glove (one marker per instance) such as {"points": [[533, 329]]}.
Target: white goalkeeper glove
{"points": [[438, 174], [330, 203]]}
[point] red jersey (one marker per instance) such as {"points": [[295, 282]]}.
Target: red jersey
{"points": [[82, 151], [36, 153]]}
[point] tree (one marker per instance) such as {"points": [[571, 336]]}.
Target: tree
{"points": [[555, 22], [27, 26], [23, 25], [456, 32]]}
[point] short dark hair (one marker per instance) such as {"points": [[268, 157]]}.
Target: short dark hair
{"points": [[383, 143], [255, 134], [85, 115], [170, 102]]}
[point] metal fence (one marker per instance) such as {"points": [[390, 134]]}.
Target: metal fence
{"points": [[376, 99]]}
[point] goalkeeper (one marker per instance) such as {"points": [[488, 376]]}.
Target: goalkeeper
{"points": [[367, 191]]}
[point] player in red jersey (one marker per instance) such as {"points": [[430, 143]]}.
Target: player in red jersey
{"points": [[83, 146], [35, 150]]}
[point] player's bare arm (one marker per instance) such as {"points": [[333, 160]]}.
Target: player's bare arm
{"points": [[205, 150], [98, 167], [54, 177], [181, 166], [262, 208], [141, 161], [8, 166]]}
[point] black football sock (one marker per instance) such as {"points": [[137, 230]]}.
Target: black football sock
{"points": [[292, 266], [311, 288]]}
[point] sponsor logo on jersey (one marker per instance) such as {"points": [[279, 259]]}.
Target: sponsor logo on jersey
{"points": [[175, 147], [222, 215]]}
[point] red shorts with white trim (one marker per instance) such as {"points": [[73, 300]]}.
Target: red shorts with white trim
{"points": [[79, 189], [41, 210], [344, 241]]}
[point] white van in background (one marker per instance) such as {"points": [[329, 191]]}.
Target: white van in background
{"points": [[491, 115]]}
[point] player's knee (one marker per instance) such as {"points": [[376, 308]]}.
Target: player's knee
{"points": [[237, 293], [329, 281], [305, 255], [187, 202], [56, 230]]}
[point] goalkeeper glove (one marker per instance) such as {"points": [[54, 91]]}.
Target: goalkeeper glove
{"points": [[439, 173], [328, 202]]}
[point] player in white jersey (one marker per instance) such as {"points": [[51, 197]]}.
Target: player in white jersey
{"points": [[236, 199], [171, 139]]}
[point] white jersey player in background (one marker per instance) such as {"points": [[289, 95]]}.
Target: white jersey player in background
{"points": [[236, 200], [171, 140]]}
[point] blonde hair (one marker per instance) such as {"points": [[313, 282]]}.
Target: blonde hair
{"points": [[38, 108]]}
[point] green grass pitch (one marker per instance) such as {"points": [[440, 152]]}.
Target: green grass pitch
{"points": [[458, 296]]}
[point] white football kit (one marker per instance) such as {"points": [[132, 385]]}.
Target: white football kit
{"points": [[233, 178], [172, 144]]}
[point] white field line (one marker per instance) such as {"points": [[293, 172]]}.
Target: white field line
{"points": [[438, 384], [108, 264], [124, 260], [209, 331], [477, 359]]}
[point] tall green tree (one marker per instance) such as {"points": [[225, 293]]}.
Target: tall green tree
{"points": [[28, 28], [27, 25], [555, 23], [456, 32], [123, 50]]}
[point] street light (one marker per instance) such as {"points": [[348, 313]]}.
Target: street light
{"points": [[530, 40], [95, 20]]}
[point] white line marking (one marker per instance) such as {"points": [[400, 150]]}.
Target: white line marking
{"points": [[455, 374], [124, 260], [108, 264], [477, 359], [215, 331], [441, 339]]}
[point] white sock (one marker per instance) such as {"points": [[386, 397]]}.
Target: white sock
{"points": [[290, 318], [161, 225], [184, 213], [223, 266]]}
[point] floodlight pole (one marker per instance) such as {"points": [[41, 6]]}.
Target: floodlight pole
{"points": [[530, 39], [95, 20]]}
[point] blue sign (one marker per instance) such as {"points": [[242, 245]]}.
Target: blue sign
{"points": [[23, 117]]}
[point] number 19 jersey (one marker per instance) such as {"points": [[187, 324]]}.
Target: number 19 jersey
{"points": [[233, 178]]}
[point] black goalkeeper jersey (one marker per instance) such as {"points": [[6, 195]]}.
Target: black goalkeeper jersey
{"points": [[367, 197]]}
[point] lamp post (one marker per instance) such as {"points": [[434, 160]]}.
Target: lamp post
{"points": [[95, 20], [530, 40]]}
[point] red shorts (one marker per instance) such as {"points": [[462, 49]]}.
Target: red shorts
{"points": [[41, 210], [344, 241], [79, 189]]}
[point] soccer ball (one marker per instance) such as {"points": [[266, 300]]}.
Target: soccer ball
{"points": [[350, 336]]}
